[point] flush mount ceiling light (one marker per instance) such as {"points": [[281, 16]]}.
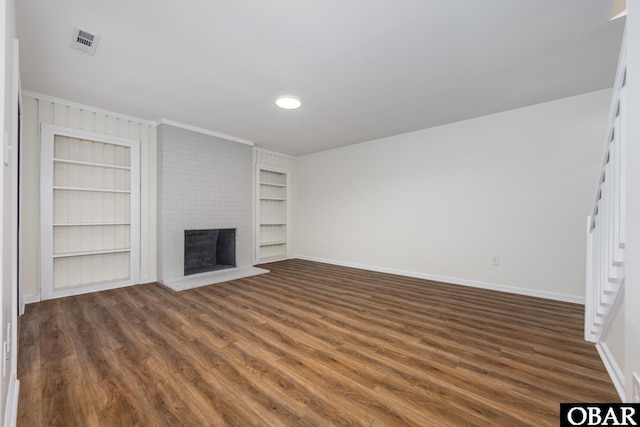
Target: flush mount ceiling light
{"points": [[288, 102]]}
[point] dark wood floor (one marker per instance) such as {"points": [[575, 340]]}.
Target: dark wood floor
{"points": [[308, 344]]}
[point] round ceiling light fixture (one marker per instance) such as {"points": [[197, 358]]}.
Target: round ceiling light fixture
{"points": [[288, 102]]}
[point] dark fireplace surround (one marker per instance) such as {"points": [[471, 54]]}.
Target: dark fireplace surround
{"points": [[209, 250]]}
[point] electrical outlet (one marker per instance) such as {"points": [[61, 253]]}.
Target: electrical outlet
{"points": [[495, 260], [636, 388]]}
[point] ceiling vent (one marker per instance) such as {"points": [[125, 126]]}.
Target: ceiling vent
{"points": [[84, 41]]}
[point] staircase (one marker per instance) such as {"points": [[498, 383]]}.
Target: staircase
{"points": [[606, 224]]}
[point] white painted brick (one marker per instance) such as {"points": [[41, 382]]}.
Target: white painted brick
{"points": [[203, 182]]}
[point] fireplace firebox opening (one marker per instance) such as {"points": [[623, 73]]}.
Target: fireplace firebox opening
{"points": [[209, 250]]}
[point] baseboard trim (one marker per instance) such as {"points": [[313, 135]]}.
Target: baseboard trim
{"points": [[28, 299], [453, 280], [31, 299], [11, 410], [614, 371]]}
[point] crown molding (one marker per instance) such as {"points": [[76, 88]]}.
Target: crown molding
{"points": [[205, 131]]}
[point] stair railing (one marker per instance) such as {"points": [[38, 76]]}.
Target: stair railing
{"points": [[606, 224]]}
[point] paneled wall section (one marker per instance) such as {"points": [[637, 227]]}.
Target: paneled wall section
{"points": [[276, 160], [37, 111]]}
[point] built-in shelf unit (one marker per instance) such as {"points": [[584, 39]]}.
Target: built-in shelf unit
{"points": [[272, 213], [89, 211]]}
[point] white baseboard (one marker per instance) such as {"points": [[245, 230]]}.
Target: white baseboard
{"points": [[454, 280], [28, 299], [11, 410], [614, 371], [31, 299]]}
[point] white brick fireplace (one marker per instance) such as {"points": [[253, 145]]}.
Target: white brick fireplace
{"points": [[204, 182]]}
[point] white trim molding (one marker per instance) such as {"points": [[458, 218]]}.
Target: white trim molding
{"points": [[205, 131], [453, 280], [614, 371], [28, 299], [274, 153], [144, 280], [11, 408], [47, 135]]}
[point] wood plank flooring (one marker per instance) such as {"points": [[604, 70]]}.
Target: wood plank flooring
{"points": [[307, 345]]}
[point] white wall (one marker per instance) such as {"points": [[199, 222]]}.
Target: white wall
{"points": [[441, 201], [38, 109]]}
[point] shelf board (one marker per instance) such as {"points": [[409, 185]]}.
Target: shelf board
{"points": [[272, 184], [276, 243], [94, 190], [81, 163], [80, 224], [279, 199], [85, 253], [273, 223]]}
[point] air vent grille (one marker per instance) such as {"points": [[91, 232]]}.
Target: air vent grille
{"points": [[85, 38], [85, 41]]}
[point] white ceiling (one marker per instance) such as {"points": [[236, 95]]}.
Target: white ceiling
{"points": [[364, 69]]}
